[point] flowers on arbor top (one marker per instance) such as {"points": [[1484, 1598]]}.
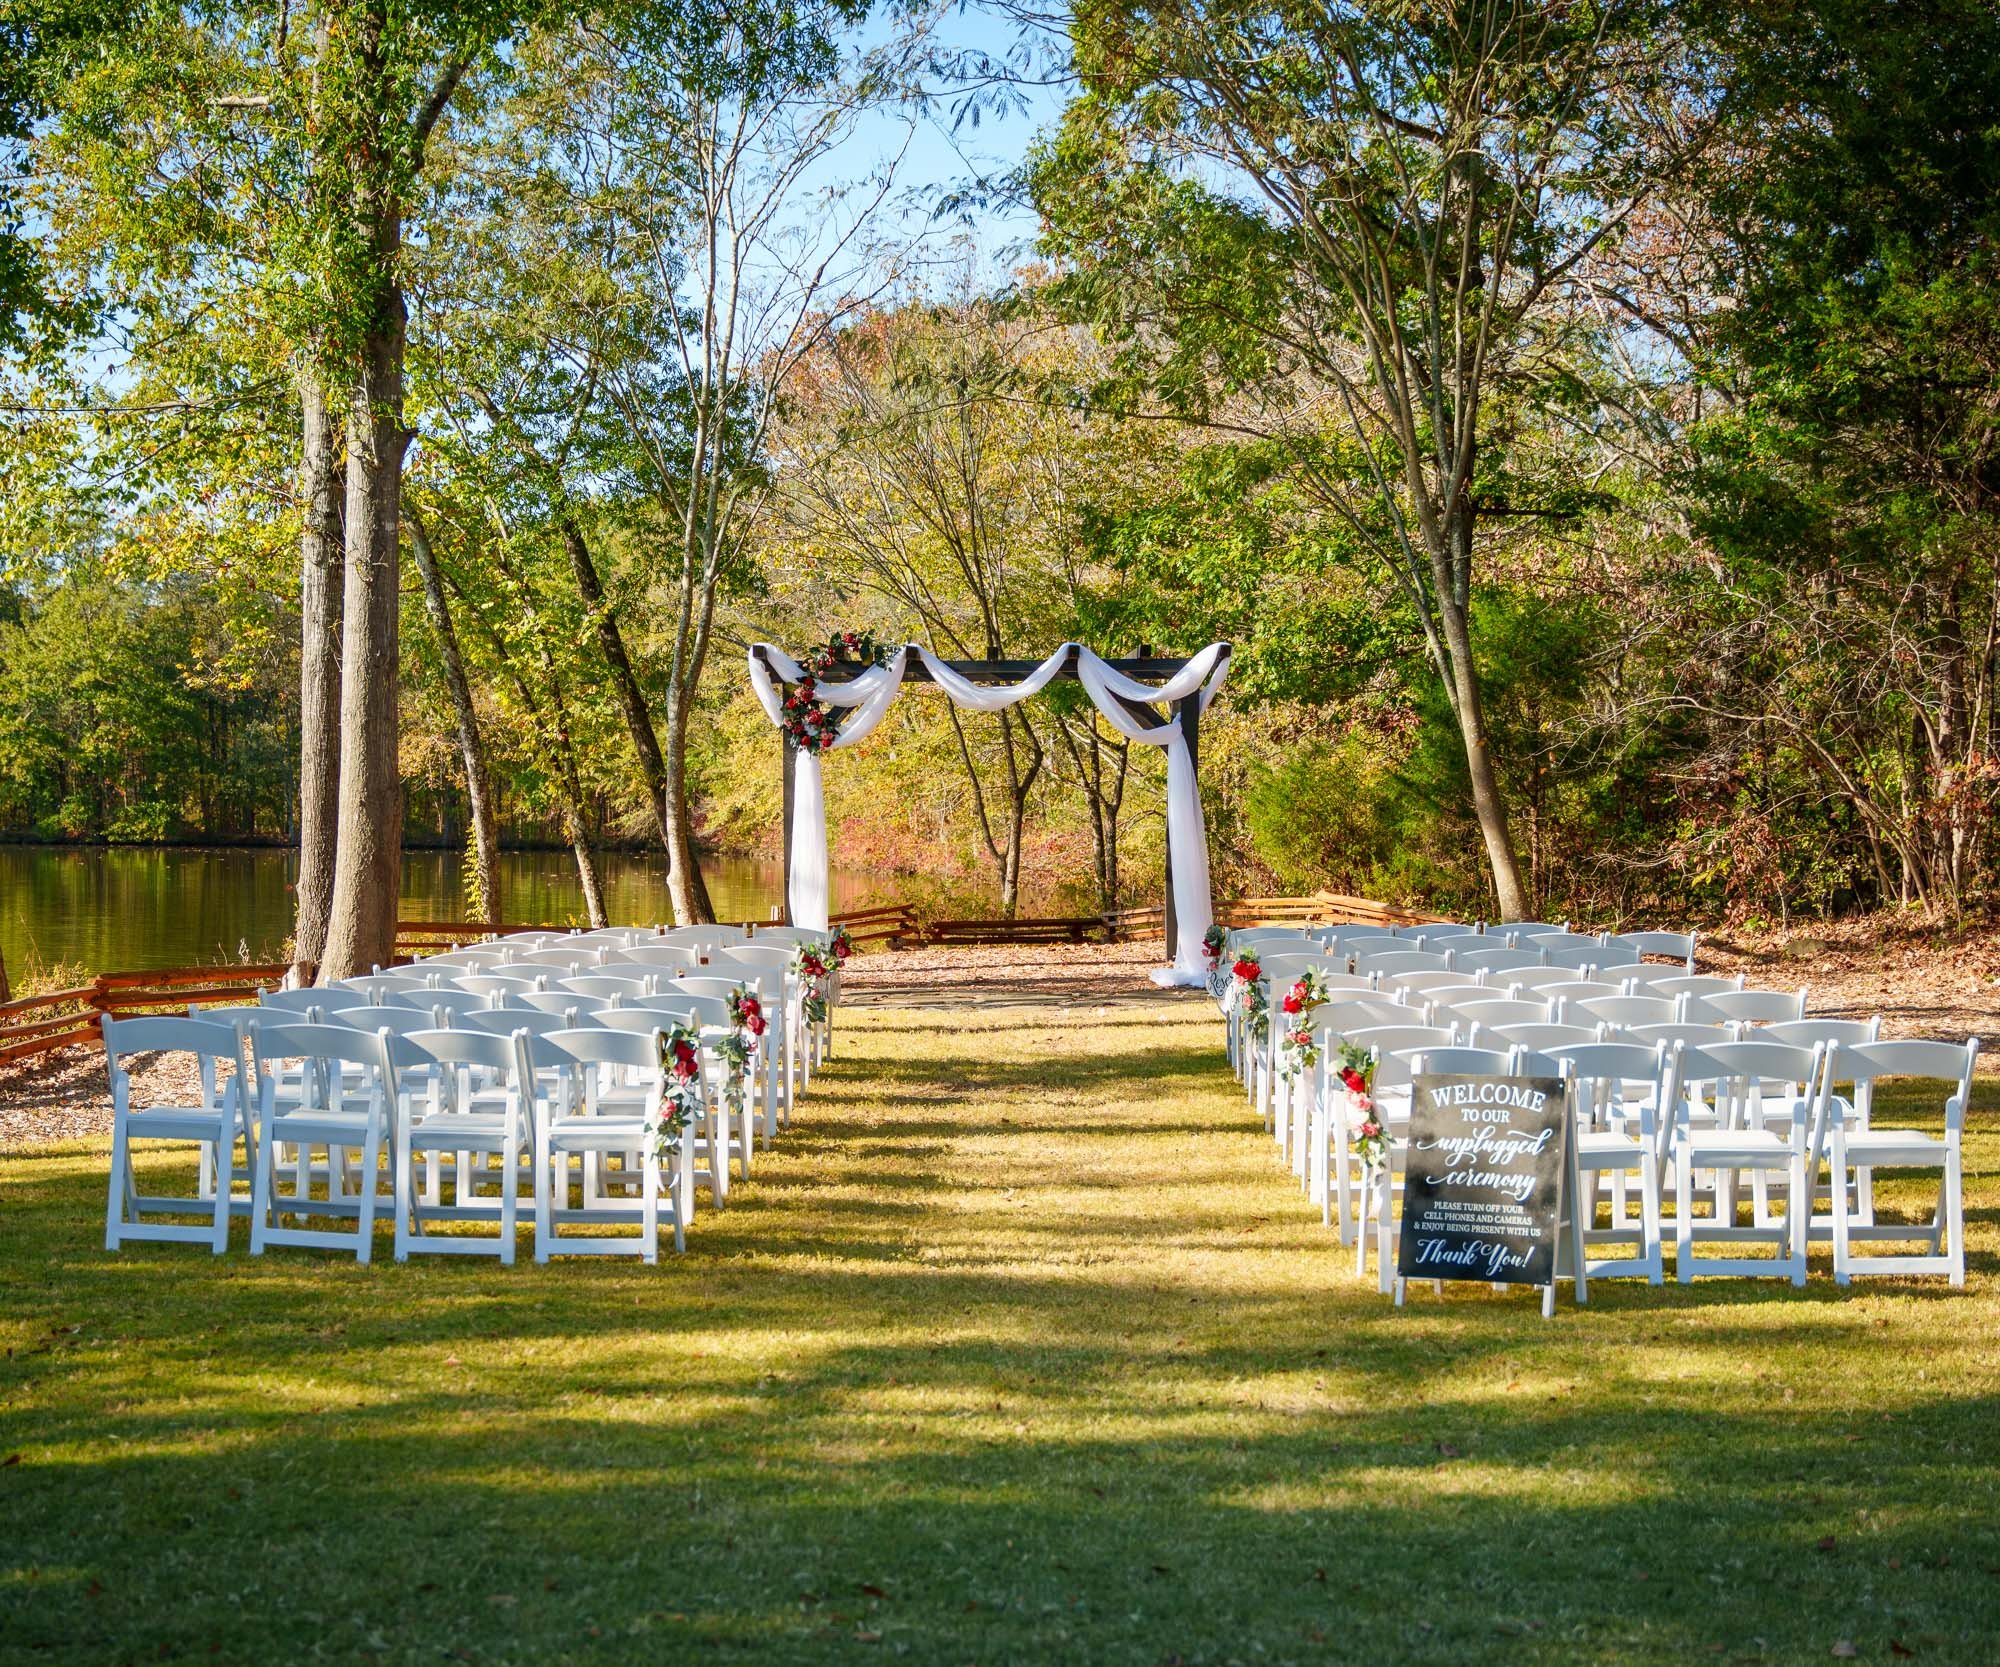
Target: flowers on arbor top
{"points": [[681, 1099], [808, 723], [1355, 1066]]}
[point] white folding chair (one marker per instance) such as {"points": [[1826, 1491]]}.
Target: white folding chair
{"points": [[720, 1138], [1857, 1146], [1622, 1012], [1498, 963], [347, 1109], [1619, 1090], [374, 986], [608, 986], [215, 1123], [1486, 1015], [483, 1120], [608, 1094], [1746, 1140]]}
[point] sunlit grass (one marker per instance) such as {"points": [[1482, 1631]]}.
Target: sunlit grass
{"points": [[1020, 1348]]}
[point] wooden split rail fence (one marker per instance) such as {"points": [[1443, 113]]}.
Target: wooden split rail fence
{"points": [[67, 1018]]}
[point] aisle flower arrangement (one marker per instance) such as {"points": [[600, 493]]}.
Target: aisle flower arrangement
{"points": [[681, 1099], [746, 1031], [1298, 1047], [1213, 942], [1355, 1066], [1246, 993], [808, 723], [812, 965]]}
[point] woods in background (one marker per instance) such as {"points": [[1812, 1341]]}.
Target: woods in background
{"points": [[1581, 419]]}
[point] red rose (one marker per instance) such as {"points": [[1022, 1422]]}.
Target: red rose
{"points": [[1356, 1083], [1292, 1002], [1245, 970]]}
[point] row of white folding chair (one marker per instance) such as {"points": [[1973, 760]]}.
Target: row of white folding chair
{"points": [[1777, 1121], [366, 1103]]}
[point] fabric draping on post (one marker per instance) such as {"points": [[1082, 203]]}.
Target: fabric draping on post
{"points": [[1187, 830], [871, 693]]}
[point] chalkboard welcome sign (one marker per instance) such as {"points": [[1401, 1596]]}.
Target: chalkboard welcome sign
{"points": [[1483, 1196]]}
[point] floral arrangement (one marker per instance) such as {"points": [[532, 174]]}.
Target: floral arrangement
{"points": [[1355, 1066], [808, 723], [1212, 942], [812, 965], [681, 1094], [1247, 993], [841, 942], [746, 1030], [1298, 1046]]}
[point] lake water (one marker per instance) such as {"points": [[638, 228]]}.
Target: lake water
{"points": [[121, 907]]}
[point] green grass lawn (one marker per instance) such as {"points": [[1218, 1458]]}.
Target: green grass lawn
{"points": [[1021, 1347]]}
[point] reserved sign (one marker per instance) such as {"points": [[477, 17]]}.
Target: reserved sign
{"points": [[1483, 1195]]}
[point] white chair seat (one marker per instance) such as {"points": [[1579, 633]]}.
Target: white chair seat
{"points": [[597, 1134], [458, 1131], [177, 1122], [1709, 1147], [317, 1126], [1889, 1147]]}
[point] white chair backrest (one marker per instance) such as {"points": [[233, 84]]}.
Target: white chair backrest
{"points": [[1848, 1033], [1465, 1062], [705, 938], [1626, 1011], [1403, 1039], [665, 957], [1543, 1038], [1367, 941], [1435, 938], [557, 1001], [375, 986], [623, 981], [563, 958], [453, 1002], [1381, 964], [769, 957], [1495, 960], [789, 935], [1422, 983], [1639, 977], [696, 1011], [1579, 954], [1688, 1035], [398, 1021], [1614, 1077], [497, 984], [1749, 1007], [1486, 1015], [1569, 991], [326, 1044], [502, 1021], [598, 1057], [506, 1055], [1343, 1015], [1952, 1062], [540, 977], [1738, 1072], [1527, 929], [1680, 945], [310, 1001], [169, 1033], [1286, 969]]}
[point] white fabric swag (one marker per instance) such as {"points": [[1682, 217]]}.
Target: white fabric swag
{"points": [[871, 693]]}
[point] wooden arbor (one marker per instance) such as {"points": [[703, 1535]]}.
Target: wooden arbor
{"points": [[1144, 667]]}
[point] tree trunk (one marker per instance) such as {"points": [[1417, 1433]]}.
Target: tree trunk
{"points": [[483, 895], [686, 888], [319, 673], [367, 880], [1487, 803], [663, 776]]}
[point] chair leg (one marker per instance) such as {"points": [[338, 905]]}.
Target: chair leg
{"points": [[649, 1206], [371, 1162], [260, 1192], [225, 1184], [114, 1203], [1837, 1146], [1954, 1211], [405, 1201], [1683, 1215]]}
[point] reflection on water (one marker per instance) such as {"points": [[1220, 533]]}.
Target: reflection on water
{"points": [[127, 907]]}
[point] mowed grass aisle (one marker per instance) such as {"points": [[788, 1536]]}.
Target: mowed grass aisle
{"points": [[1019, 1348]]}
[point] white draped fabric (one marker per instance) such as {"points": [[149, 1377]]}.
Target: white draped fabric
{"points": [[872, 692]]}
